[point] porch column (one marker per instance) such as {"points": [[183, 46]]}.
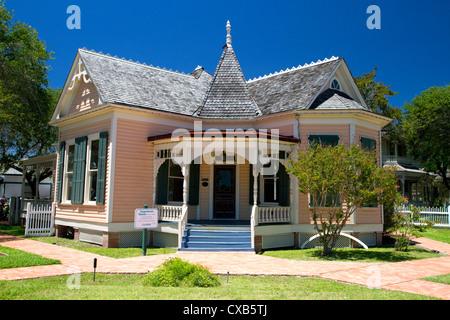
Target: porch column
{"points": [[256, 171], [185, 172], [256, 243], [22, 203]]}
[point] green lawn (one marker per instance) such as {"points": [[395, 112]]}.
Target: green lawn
{"points": [[444, 278], [376, 254], [437, 234], [131, 287], [17, 259], [117, 253]]}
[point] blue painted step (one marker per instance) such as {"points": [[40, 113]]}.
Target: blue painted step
{"points": [[216, 239]]}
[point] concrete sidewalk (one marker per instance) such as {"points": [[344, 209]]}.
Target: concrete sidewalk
{"points": [[403, 276]]}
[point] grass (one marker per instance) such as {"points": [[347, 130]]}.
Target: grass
{"points": [[442, 235], [17, 259], [16, 231], [377, 254], [117, 253], [444, 278], [132, 287]]}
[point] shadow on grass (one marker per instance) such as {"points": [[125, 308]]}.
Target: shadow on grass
{"points": [[16, 231], [384, 253]]}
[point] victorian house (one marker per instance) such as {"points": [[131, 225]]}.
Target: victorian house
{"points": [[191, 145]]}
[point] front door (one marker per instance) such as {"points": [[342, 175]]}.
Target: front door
{"points": [[224, 192]]}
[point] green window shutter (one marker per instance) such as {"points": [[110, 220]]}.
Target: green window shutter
{"points": [[194, 184], [283, 178], [162, 182], [324, 140], [251, 187], [101, 173], [62, 149], [368, 144], [79, 169]]}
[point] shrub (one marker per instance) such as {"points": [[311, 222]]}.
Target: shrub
{"points": [[175, 272]]}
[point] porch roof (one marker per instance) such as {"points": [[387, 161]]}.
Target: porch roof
{"points": [[236, 134]]}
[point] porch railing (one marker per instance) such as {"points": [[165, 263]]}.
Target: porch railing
{"points": [[169, 213], [273, 215], [174, 213], [182, 224]]}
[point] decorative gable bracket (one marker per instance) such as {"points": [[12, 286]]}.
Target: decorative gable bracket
{"points": [[81, 73]]}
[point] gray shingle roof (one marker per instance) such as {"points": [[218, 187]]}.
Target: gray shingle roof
{"points": [[228, 95], [333, 99], [225, 95], [292, 90], [129, 83]]}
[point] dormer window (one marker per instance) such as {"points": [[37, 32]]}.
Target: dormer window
{"points": [[334, 84]]}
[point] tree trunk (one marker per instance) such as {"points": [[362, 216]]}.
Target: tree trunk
{"points": [[31, 178]]}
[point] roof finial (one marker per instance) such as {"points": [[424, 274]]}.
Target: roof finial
{"points": [[228, 34]]}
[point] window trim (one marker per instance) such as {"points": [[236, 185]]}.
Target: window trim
{"points": [[323, 134], [368, 138], [338, 83], [261, 191], [64, 197], [169, 202], [87, 177]]}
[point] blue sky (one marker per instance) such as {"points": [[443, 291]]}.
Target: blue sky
{"points": [[411, 49]]}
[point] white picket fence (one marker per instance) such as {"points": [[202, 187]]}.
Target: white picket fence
{"points": [[40, 220], [439, 216]]}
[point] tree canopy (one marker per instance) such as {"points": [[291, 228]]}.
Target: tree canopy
{"points": [[376, 95], [26, 100], [340, 180], [427, 126]]}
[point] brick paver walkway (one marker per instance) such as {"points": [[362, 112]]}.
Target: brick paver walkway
{"points": [[402, 276]]}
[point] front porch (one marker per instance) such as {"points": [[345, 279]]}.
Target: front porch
{"points": [[237, 181]]}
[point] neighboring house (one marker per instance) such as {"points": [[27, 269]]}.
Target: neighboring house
{"points": [[116, 118], [414, 183], [12, 182]]}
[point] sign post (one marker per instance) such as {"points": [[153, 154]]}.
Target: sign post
{"points": [[145, 219]]}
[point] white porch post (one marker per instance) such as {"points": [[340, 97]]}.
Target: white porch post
{"points": [[185, 172], [254, 217], [184, 213]]}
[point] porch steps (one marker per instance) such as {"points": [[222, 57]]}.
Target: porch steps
{"points": [[216, 238]]}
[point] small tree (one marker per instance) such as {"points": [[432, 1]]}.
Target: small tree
{"points": [[339, 180], [407, 223]]}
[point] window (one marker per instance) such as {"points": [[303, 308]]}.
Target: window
{"points": [[68, 174], [368, 144], [82, 170], [334, 84], [175, 183], [270, 187], [323, 139], [91, 171]]}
